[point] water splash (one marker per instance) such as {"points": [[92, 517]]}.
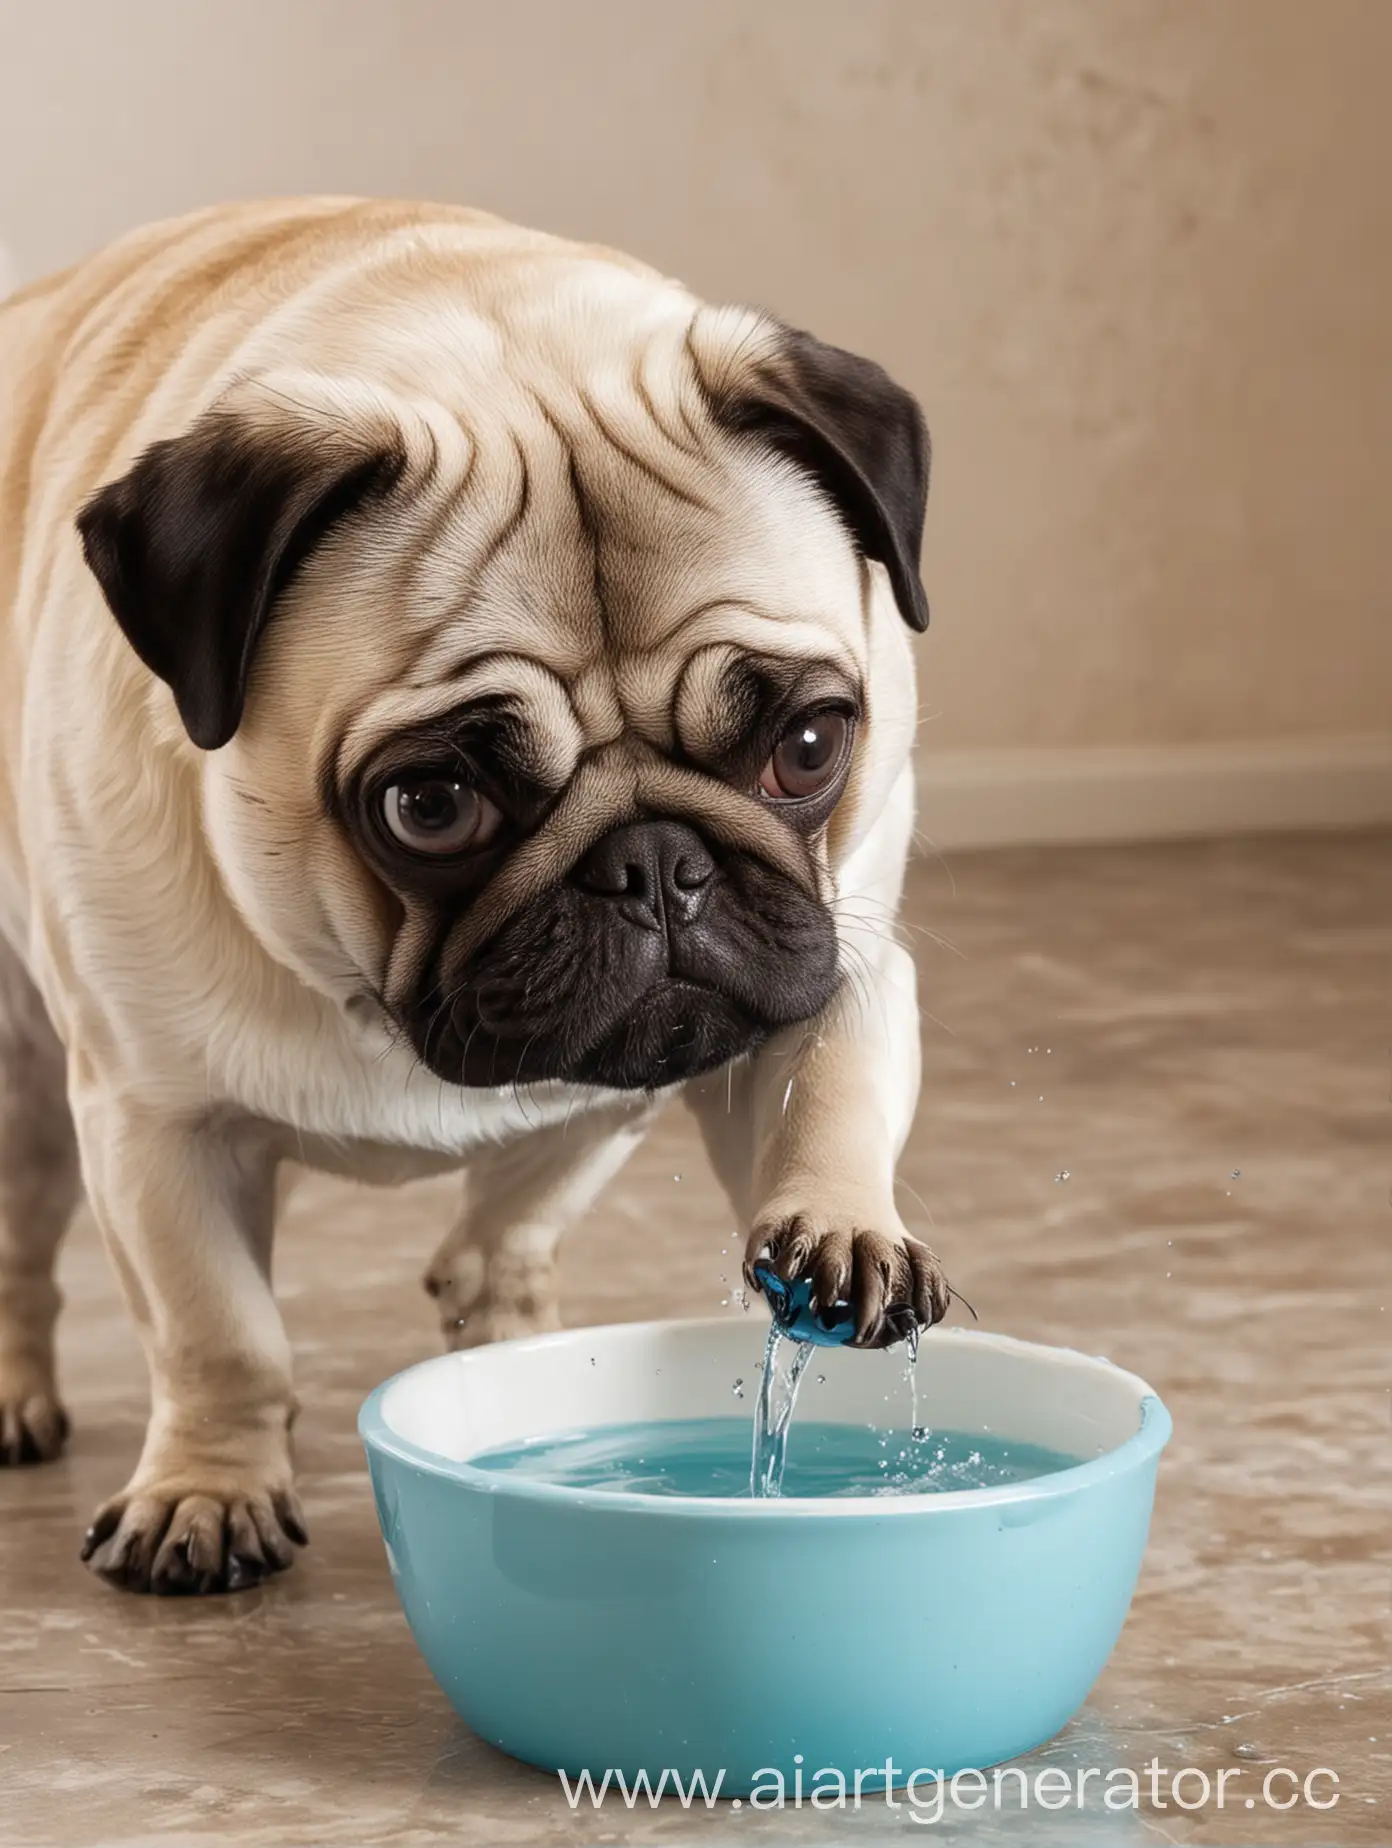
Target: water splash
{"points": [[911, 1375], [774, 1413]]}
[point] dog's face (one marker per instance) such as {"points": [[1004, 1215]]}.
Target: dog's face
{"points": [[584, 665]]}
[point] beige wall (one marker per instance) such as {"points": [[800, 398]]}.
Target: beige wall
{"points": [[1131, 254]]}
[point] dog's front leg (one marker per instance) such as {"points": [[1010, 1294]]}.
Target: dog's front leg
{"points": [[805, 1136], [186, 1209]]}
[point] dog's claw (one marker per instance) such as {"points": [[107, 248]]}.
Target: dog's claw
{"points": [[291, 1518], [894, 1283], [188, 1544], [102, 1528], [242, 1572]]}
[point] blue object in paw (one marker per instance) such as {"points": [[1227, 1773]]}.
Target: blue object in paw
{"points": [[792, 1307]]}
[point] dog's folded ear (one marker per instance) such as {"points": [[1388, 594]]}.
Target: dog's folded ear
{"points": [[858, 434], [193, 547]]}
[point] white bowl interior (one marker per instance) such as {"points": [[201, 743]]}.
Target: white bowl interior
{"points": [[462, 1404]]}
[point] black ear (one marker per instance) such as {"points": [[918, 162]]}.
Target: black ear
{"points": [[861, 436], [194, 545]]}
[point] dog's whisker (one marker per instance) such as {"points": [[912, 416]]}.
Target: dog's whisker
{"points": [[893, 922], [958, 1297], [899, 1181]]}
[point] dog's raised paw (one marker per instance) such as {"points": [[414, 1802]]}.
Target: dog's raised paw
{"points": [[181, 1543], [33, 1428], [894, 1282]]}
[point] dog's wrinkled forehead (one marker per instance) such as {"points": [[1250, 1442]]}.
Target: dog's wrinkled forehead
{"points": [[580, 537], [608, 497]]}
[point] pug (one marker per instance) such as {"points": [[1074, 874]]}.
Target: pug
{"points": [[455, 692]]}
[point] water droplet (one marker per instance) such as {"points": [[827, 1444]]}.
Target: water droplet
{"points": [[1064, 1174], [1041, 1097], [1237, 1174], [1012, 1084], [821, 1379], [592, 1360], [676, 1177], [920, 1433], [738, 1389]]}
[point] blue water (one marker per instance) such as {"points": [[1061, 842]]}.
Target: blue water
{"points": [[710, 1456]]}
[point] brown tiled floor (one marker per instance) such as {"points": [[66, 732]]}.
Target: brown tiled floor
{"points": [[1199, 1036]]}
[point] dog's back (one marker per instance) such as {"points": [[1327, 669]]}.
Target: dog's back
{"points": [[81, 353], [140, 324]]}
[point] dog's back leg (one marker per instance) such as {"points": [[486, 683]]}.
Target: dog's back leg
{"points": [[38, 1190], [494, 1275]]}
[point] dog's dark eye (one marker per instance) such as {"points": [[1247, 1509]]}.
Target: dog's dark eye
{"points": [[807, 758], [432, 814]]}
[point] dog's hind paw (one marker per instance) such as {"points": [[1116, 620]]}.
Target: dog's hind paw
{"points": [[177, 1540], [480, 1302], [33, 1425], [487, 1322]]}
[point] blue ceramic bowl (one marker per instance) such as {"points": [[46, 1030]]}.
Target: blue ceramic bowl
{"points": [[580, 1629]]}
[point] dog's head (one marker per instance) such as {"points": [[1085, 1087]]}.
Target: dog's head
{"points": [[545, 678]]}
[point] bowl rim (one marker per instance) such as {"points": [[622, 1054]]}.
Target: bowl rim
{"points": [[1145, 1444], [1152, 1433]]}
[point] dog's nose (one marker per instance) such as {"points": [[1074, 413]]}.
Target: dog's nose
{"points": [[656, 871]]}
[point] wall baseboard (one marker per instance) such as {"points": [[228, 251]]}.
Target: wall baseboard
{"points": [[1016, 798]]}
